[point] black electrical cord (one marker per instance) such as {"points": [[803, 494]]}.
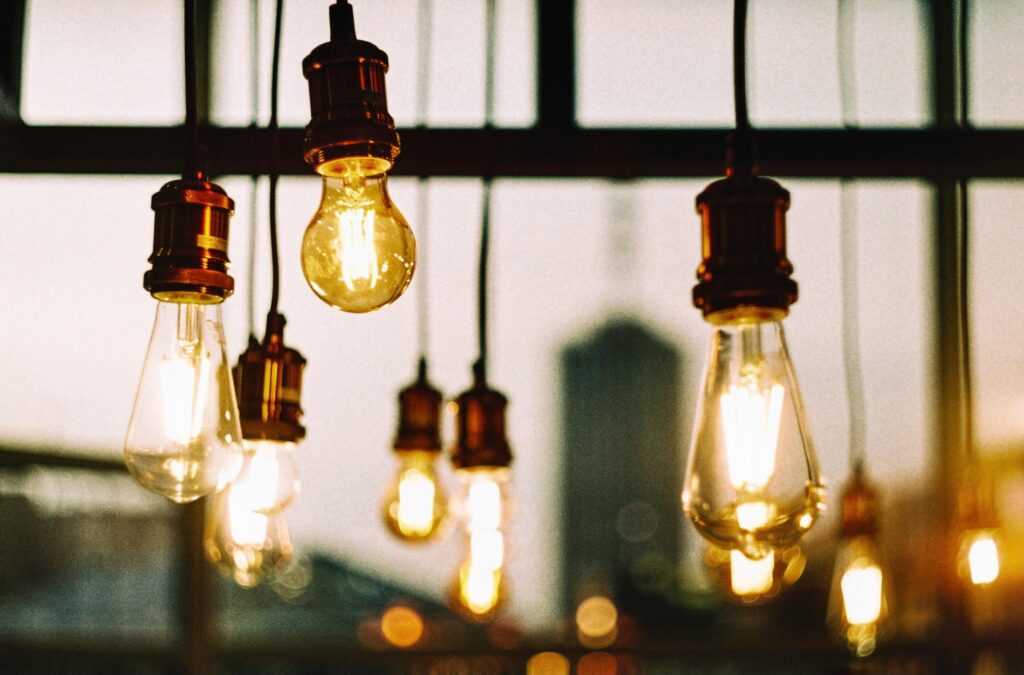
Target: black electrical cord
{"points": [[254, 11], [423, 188], [849, 249], [741, 141], [193, 165], [963, 245], [275, 288], [480, 367]]}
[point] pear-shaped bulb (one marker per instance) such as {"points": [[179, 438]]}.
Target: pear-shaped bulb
{"points": [[247, 546], [414, 505], [858, 605]]}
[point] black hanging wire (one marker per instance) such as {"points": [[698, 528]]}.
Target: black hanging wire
{"points": [[963, 247], [275, 272], [849, 251], [254, 10], [741, 142], [423, 187], [193, 161], [480, 367]]}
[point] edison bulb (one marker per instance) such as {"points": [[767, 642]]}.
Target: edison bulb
{"points": [[979, 557], [269, 479], [245, 545], [755, 581], [184, 438], [414, 506], [358, 253], [752, 481], [478, 588], [857, 606]]}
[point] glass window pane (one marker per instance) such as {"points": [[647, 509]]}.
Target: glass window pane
{"points": [[996, 63], [115, 62]]}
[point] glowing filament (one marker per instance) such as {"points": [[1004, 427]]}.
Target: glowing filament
{"points": [[862, 592], [248, 528], [983, 558], [751, 418], [483, 507], [357, 248], [753, 515], [183, 377], [416, 491], [751, 577], [479, 587]]}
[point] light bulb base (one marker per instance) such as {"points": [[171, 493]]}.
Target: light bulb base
{"points": [[744, 274], [419, 416], [480, 429], [190, 243], [268, 379], [347, 97], [860, 507]]}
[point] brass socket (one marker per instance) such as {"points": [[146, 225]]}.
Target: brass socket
{"points": [[744, 274], [419, 416], [480, 429], [347, 98], [268, 382], [860, 507], [190, 243]]}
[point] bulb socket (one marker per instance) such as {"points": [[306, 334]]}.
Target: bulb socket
{"points": [[268, 381], [744, 274], [190, 243], [976, 503], [480, 429], [347, 98], [419, 416], [860, 507]]}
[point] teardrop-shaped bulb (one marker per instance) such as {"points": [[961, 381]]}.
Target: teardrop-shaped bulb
{"points": [[857, 604], [184, 438], [245, 545], [752, 481], [978, 557], [358, 253], [414, 505], [269, 479], [478, 589]]}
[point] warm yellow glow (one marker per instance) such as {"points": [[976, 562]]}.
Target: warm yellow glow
{"points": [[487, 549], [983, 559], [401, 626], [415, 508], [547, 663], [751, 577], [356, 247], [483, 506], [479, 588], [597, 617], [862, 592], [247, 526], [751, 418], [753, 515], [183, 376]]}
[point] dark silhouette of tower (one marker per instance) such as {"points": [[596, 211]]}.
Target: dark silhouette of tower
{"points": [[621, 516]]}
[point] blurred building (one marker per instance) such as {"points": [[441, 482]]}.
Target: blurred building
{"points": [[622, 466]]}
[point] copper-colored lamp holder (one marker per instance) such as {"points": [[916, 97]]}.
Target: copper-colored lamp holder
{"points": [[190, 242], [860, 507], [419, 416], [268, 380], [480, 428], [744, 274], [347, 98]]}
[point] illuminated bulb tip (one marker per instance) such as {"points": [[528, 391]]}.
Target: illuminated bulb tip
{"points": [[862, 593], [751, 577], [415, 508], [983, 558]]}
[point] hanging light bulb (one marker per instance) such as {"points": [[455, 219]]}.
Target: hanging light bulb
{"points": [[481, 458], [752, 481], [269, 381], [978, 556], [183, 438], [358, 253], [858, 606], [246, 545], [414, 505], [750, 581]]}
